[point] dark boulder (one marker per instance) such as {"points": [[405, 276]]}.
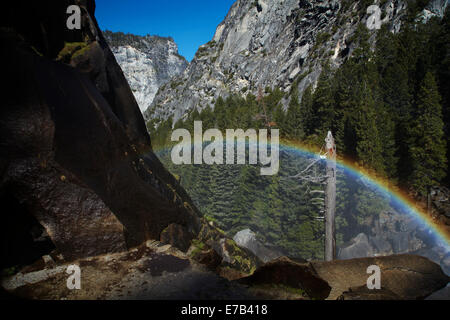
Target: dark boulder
{"points": [[236, 262], [363, 293], [445, 264], [208, 257], [283, 271], [407, 276], [177, 235], [443, 294], [74, 150]]}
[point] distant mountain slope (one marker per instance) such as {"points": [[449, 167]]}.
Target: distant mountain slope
{"points": [[276, 43], [148, 62]]}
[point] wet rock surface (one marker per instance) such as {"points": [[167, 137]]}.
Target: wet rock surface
{"points": [[209, 258], [157, 264], [237, 262]]}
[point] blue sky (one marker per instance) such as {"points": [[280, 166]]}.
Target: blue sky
{"points": [[190, 22]]}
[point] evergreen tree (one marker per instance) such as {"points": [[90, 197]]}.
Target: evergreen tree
{"points": [[323, 103], [386, 133], [369, 146], [386, 111], [306, 113], [293, 126], [427, 145]]}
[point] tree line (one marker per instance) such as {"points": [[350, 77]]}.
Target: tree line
{"points": [[388, 107]]}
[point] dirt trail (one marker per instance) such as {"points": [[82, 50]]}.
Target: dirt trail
{"points": [[151, 271]]}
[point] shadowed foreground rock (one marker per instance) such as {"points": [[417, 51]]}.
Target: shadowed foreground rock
{"points": [[403, 277], [76, 164], [363, 293], [159, 271], [291, 274], [78, 177], [152, 271], [406, 276]]}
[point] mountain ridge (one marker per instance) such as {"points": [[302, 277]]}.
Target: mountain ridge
{"points": [[148, 62], [259, 39]]}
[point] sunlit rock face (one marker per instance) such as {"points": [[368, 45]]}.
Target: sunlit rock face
{"points": [[276, 43], [147, 62], [76, 163]]}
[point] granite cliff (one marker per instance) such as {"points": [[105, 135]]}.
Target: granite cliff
{"points": [[273, 43], [148, 62]]}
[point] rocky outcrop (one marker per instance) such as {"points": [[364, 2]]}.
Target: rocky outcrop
{"points": [[394, 233], [235, 262], [207, 257], [440, 201], [435, 8], [443, 294], [363, 293], [403, 277], [152, 271], [277, 43], [358, 248], [148, 62], [157, 271], [176, 235], [291, 274], [407, 276], [247, 239], [75, 155]]}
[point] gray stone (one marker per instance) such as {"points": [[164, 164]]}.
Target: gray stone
{"points": [[359, 248], [148, 62], [247, 239], [407, 276], [262, 44]]}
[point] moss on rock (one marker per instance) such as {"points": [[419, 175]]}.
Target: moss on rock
{"points": [[70, 50]]}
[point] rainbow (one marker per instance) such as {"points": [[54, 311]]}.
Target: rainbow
{"points": [[397, 197]]}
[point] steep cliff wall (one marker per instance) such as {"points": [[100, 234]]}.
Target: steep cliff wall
{"points": [[274, 43], [75, 156], [148, 62]]}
